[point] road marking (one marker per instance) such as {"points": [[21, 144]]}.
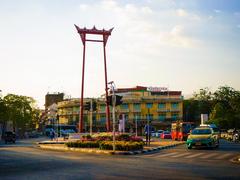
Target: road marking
{"points": [[168, 154], [223, 156], [209, 155], [179, 155], [194, 155]]}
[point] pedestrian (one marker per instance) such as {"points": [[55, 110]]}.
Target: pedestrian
{"points": [[148, 130], [52, 134]]}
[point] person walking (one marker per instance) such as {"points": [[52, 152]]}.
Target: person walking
{"points": [[52, 135], [148, 130]]}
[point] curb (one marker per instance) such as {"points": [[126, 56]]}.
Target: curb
{"points": [[147, 151], [236, 160], [61, 147]]}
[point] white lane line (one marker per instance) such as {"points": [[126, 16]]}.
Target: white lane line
{"points": [[167, 154], [223, 156], [209, 155], [194, 155], [180, 155]]}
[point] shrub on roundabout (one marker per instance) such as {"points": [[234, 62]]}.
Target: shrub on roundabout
{"points": [[103, 141]]}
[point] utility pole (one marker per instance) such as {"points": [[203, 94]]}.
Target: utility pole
{"points": [[136, 126], [148, 129], [113, 113], [91, 116]]}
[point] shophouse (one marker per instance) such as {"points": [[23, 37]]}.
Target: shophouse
{"points": [[158, 105]]}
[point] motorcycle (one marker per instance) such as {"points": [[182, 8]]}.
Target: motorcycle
{"points": [[236, 138]]}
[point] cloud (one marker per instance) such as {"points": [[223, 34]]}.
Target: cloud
{"points": [[238, 25], [176, 37], [237, 14], [210, 17], [83, 7], [217, 11], [177, 30], [140, 25], [181, 12], [146, 10], [184, 13]]}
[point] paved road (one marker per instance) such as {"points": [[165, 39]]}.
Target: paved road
{"points": [[24, 161], [227, 151]]}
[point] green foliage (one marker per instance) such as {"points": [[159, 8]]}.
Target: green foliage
{"points": [[109, 137], [107, 145], [103, 136], [222, 106], [123, 137], [83, 144], [3, 111], [21, 110], [122, 145]]}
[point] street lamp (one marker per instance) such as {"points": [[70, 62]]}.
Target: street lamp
{"points": [[112, 86], [136, 125], [148, 119]]}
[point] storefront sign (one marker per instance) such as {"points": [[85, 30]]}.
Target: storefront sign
{"points": [[157, 89]]}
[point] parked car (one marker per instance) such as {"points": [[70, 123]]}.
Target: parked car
{"points": [[202, 137], [153, 133], [33, 134], [9, 136], [158, 133], [48, 130], [65, 133], [166, 135]]}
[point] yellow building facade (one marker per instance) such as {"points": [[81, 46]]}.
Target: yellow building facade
{"points": [[140, 104]]}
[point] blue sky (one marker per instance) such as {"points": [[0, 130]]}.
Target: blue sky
{"points": [[183, 45]]}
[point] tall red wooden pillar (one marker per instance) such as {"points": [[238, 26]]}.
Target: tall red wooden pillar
{"points": [[105, 34]]}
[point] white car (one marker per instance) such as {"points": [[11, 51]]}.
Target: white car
{"points": [[159, 132]]}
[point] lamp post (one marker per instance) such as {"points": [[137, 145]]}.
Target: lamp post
{"points": [[148, 128], [91, 116], [113, 112], [136, 126]]}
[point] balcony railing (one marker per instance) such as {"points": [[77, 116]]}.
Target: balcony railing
{"points": [[136, 110], [163, 110], [124, 110]]}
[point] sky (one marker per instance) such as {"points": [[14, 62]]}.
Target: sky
{"points": [[182, 45]]}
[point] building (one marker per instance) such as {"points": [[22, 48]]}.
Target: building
{"points": [[140, 104], [53, 98]]}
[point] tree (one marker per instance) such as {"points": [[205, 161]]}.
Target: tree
{"points": [[190, 110], [21, 110], [200, 103], [222, 106], [226, 110], [3, 110]]}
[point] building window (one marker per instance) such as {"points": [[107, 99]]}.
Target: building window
{"points": [[102, 107], [137, 116], [161, 105], [149, 117], [161, 117], [124, 106], [174, 105], [76, 109], [137, 106], [174, 117], [102, 119], [149, 105]]}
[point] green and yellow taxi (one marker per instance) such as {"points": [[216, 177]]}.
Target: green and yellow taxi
{"points": [[202, 137]]}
